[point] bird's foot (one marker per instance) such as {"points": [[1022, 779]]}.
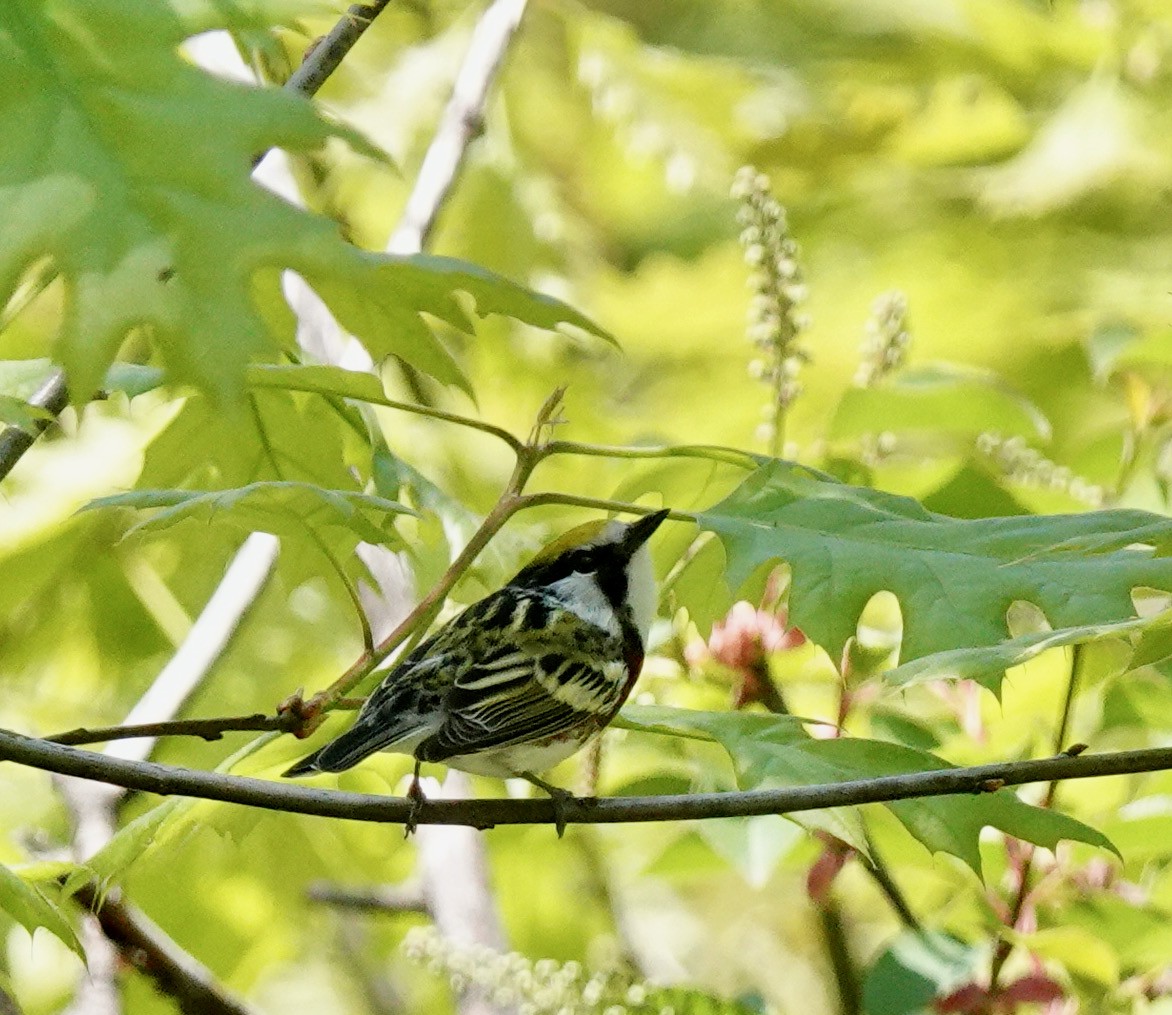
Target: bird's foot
{"points": [[560, 797], [415, 795]]}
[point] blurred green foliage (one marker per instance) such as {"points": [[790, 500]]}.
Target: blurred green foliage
{"points": [[1003, 166]]}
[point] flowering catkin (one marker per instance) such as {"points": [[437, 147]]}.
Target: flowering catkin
{"points": [[774, 321]]}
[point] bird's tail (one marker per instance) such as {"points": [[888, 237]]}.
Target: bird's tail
{"points": [[339, 754]]}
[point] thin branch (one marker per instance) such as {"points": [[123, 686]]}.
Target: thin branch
{"points": [[406, 898], [209, 636], [323, 57], [447, 417], [51, 396], [1024, 887], [146, 947], [208, 729], [510, 501], [461, 122], [531, 500], [707, 452], [168, 780]]}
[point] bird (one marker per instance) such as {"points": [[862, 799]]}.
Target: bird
{"points": [[525, 677]]}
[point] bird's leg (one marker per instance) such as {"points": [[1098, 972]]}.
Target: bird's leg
{"points": [[559, 796], [415, 795]]}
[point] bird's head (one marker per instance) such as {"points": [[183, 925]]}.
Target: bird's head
{"points": [[607, 557]]}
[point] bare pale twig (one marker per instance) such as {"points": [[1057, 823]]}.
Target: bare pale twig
{"points": [[205, 643], [92, 809], [167, 780], [457, 888], [116, 933], [462, 121], [318, 65]]}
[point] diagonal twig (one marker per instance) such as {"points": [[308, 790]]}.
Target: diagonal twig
{"points": [[51, 396], [319, 63], [152, 952]]}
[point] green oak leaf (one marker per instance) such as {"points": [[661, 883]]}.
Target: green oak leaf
{"points": [[955, 578], [283, 507], [774, 751], [31, 909], [99, 111]]}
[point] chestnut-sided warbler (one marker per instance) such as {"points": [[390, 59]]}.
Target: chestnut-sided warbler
{"points": [[526, 676]]}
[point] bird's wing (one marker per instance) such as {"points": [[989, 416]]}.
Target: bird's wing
{"points": [[552, 679], [407, 706]]}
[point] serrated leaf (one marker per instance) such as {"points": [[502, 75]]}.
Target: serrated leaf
{"points": [[95, 102], [281, 507], [954, 578], [318, 380], [735, 732], [384, 311], [944, 398], [770, 750], [128, 844], [93, 88], [987, 663], [31, 909], [282, 436]]}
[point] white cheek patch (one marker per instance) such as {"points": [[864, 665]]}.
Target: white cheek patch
{"points": [[641, 592], [580, 594]]}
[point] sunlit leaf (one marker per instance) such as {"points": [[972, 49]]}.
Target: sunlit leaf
{"points": [[772, 751], [283, 508], [954, 578], [31, 909], [98, 102], [129, 843]]}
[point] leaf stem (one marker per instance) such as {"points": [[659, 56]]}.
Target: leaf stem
{"points": [[531, 500], [712, 452], [1004, 945]]}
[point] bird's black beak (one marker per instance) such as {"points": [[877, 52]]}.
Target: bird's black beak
{"points": [[639, 532]]}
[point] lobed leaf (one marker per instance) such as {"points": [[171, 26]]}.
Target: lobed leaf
{"points": [[282, 507], [95, 104], [954, 578], [774, 751]]}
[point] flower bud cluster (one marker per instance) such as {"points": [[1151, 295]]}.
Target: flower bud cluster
{"points": [[1020, 463], [774, 319], [886, 339], [541, 987]]}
